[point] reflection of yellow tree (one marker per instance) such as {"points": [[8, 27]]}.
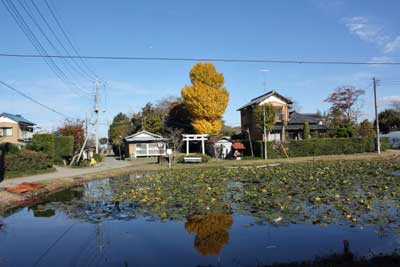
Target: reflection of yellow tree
{"points": [[211, 232]]}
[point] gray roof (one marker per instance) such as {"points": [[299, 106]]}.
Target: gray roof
{"points": [[149, 137], [294, 127], [297, 120], [261, 98], [18, 118], [301, 118]]}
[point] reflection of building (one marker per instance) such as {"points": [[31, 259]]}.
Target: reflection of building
{"points": [[211, 232]]}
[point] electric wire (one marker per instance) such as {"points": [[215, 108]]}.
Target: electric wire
{"points": [[228, 60], [15, 14], [58, 21], [34, 100]]}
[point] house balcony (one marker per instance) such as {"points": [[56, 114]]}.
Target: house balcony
{"points": [[26, 136]]}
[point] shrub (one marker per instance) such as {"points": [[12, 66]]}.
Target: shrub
{"points": [[27, 160], [333, 146], [344, 132], [64, 148], [99, 157], [44, 143], [204, 158], [9, 148]]}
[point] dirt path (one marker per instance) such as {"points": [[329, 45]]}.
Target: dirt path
{"points": [[109, 163]]}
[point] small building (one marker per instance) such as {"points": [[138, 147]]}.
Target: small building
{"points": [[15, 129], [145, 144], [223, 147], [89, 150], [238, 149]]}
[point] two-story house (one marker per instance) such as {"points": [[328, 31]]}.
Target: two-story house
{"points": [[15, 129], [288, 123]]}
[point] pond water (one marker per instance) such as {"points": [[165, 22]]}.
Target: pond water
{"points": [[154, 220]]}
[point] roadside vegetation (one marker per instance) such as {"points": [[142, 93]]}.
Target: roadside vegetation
{"points": [[43, 152]]}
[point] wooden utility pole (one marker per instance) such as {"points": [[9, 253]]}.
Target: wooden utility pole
{"points": [[96, 110], [378, 141]]}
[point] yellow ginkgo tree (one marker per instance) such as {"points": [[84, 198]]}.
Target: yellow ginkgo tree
{"points": [[206, 99]]}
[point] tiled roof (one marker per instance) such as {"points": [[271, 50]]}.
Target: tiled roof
{"points": [[293, 127], [260, 98], [17, 118], [301, 118]]}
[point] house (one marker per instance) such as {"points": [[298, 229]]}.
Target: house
{"points": [[288, 124], [145, 144], [15, 129]]}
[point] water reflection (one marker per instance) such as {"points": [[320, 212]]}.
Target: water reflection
{"points": [[135, 218], [212, 232]]}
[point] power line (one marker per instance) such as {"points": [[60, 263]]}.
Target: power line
{"points": [[19, 19], [232, 60], [59, 24], [34, 100], [78, 67], [65, 62]]}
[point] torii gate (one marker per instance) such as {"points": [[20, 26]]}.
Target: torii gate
{"points": [[195, 137]]}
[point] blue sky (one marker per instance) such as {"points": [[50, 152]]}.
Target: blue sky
{"points": [[299, 30]]}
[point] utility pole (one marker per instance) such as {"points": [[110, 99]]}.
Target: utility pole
{"points": [[378, 141], [265, 137], [96, 110], [86, 125]]}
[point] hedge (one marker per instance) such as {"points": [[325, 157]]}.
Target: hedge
{"points": [[333, 146], [27, 160], [258, 149], [64, 148], [9, 148], [316, 147], [44, 143]]}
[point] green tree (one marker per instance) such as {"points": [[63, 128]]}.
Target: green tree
{"points": [[306, 130], [179, 117], [265, 117], [389, 120], [151, 118], [119, 129]]}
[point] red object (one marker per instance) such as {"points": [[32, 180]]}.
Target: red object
{"points": [[238, 146], [24, 187]]}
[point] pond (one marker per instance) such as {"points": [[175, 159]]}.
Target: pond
{"points": [[309, 214]]}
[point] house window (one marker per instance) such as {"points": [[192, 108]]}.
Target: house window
{"points": [[6, 131], [279, 113]]}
